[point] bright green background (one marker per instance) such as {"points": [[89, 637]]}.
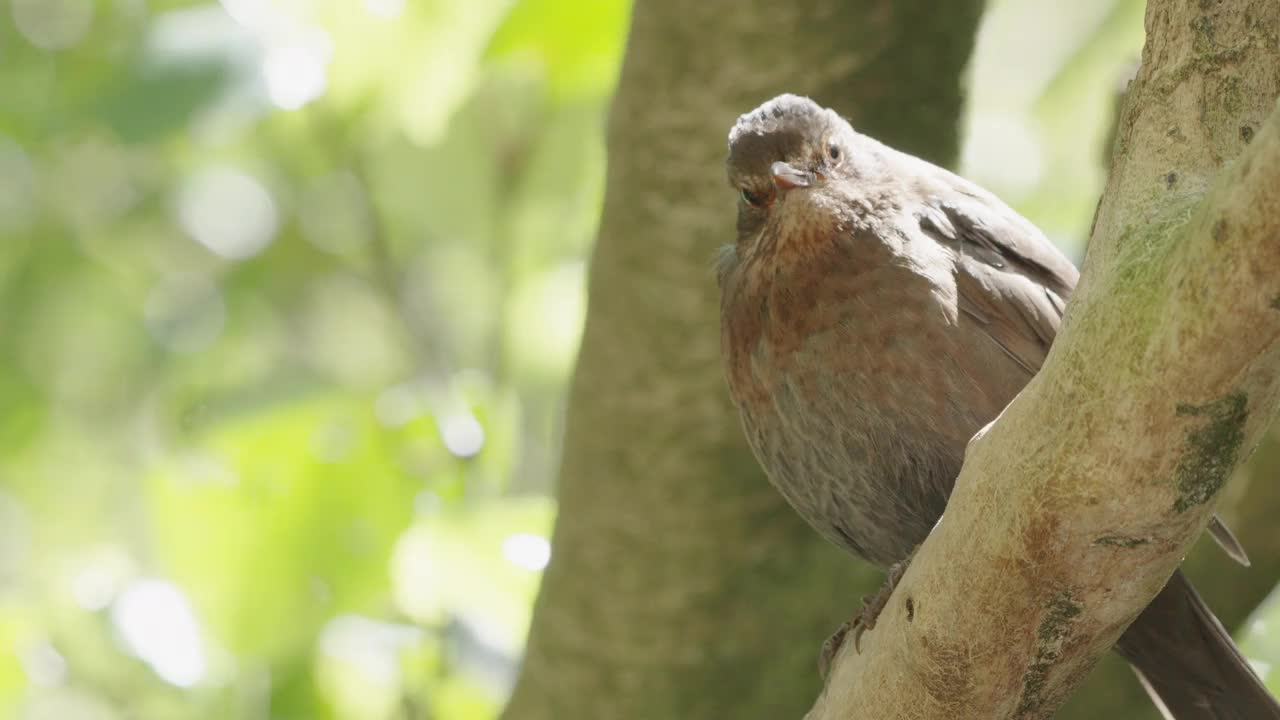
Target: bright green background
{"points": [[289, 294]]}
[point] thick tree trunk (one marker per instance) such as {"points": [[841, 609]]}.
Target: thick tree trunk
{"points": [[1077, 505], [680, 585]]}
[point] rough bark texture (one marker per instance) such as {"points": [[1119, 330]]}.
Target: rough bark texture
{"points": [[1078, 503], [1249, 504], [680, 585]]}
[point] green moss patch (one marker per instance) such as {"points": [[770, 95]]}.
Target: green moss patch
{"points": [[1051, 636], [1210, 450]]}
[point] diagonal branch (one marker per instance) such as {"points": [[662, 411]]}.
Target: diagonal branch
{"points": [[1077, 505]]}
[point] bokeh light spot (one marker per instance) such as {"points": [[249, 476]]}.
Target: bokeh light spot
{"points": [[544, 318], [157, 623], [43, 664], [255, 14], [228, 211], [418, 583], [295, 73], [531, 552], [462, 434], [389, 9], [360, 665], [371, 645]]}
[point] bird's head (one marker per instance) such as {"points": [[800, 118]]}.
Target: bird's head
{"points": [[787, 159]]}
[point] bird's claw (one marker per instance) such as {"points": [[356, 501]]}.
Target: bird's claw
{"points": [[831, 647], [865, 620]]}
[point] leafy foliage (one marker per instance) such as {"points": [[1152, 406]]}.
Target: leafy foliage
{"points": [[289, 293]]}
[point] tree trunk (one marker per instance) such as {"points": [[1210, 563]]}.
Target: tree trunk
{"points": [[1079, 502], [680, 585]]}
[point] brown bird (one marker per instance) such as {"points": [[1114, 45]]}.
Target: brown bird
{"points": [[876, 312]]}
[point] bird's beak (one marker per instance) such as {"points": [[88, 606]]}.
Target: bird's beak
{"points": [[786, 177]]}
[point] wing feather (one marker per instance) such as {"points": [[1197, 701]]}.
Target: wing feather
{"points": [[1015, 285]]}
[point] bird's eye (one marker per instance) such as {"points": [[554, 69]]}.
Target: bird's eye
{"points": [[833, 151], [752, 199]]}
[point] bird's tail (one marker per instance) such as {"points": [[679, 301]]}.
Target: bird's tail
{"points": [[1188, 663]]}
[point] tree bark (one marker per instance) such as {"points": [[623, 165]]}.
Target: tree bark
{"points": [[680, 585], [1249, 504], [1075, 507]]}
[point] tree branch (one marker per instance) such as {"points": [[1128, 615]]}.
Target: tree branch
{"points": [[1249, 504], [1076, 506]]}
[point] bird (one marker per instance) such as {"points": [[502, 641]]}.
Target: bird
{"points": [[876, 311]]}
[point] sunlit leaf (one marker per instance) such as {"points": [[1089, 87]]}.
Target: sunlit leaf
{"points": [[282, 518], [577, 43], [479, 562]]}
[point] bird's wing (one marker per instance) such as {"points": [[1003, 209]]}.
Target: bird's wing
{"points": [[1010, 279], [1015, 284]]}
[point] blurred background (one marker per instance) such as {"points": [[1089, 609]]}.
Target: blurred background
{"points": [[290, 291]]}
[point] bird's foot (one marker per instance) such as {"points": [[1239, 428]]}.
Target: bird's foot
{"points": [[865, 620]]}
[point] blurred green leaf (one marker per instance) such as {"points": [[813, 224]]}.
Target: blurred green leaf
{"points": [[464, 562], [282, 518], [152, 101], [458, 699], [578, 44], [14, 632]]}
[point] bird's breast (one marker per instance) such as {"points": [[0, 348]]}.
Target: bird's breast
{"points": [[859, 329], [846, 379]]}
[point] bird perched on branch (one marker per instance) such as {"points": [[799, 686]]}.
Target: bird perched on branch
{"points": [[876, 312]]}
